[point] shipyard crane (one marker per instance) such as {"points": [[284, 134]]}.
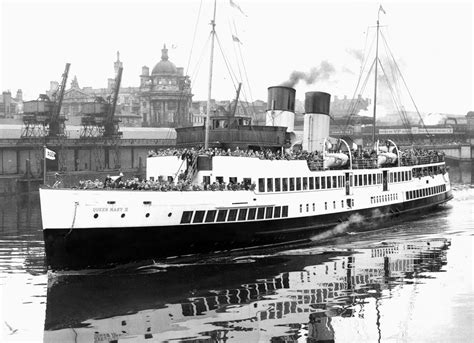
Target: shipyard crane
{"points": [[42, 117], [98, 119]]}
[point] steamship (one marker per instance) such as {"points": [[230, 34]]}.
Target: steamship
{"points": [[293, 200]]}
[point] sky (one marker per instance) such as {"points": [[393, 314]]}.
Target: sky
{"points": [[431, 41]]}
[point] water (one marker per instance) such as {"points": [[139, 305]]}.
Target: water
{"points": [[409, 281]]}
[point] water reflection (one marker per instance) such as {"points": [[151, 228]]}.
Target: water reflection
{"points": [[263, 298], [21, 245]]}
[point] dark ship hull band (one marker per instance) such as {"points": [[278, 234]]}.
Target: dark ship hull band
{"points": [[101, 247]]}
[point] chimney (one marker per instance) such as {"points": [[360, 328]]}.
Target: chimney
{"points": [[281, 107], [316, 120]]}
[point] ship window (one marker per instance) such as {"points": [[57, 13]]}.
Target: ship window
{"points": [[325, 205], [277, 212], [365, 179], [233, 180], [292, 183], [206, 180], [269, 212], [311, 183], [220, 179], [391, 177], [369, 179], [211, 216], [186, 218], [277, 184], [285, 184], [221, 215], [374, 179], [307, 207], [97, 216], [334, 182], [284, 212], [356, 179], [305, 183], [371, 200], [403, 176], [261, 185], [342, 203], [334, 204], [407, 194], [298, 184], [198, 216], [252, 212], [261, 212], [314, 207], [242, 214], [232, 215], [269, 185], [360, 180], [328, 182], [317, 182], [301, 208]]}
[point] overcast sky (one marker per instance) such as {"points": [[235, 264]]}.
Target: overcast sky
{"points": [[432, 43]]}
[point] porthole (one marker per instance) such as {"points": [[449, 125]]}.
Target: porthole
{"points": [[169, 214], [96, 215], [147, 215], [123, 215]]}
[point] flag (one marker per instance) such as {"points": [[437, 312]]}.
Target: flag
{"points": [[49, 154], [236, 39], [381, 9], [233, 4]]}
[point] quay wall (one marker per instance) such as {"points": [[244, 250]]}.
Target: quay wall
{"points": [[21, 161]]}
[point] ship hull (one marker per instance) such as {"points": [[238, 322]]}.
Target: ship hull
{"points": [[102, 247]]}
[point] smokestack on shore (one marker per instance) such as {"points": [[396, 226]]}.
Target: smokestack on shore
{"points": [[316, 120], [281, 107]]}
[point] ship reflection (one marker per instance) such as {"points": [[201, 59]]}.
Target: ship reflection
{"points": [[273, 298]]}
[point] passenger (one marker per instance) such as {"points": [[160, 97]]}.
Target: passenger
{"points": [[58, 181]]}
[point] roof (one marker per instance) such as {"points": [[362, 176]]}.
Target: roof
{"points": [[164, 66]]}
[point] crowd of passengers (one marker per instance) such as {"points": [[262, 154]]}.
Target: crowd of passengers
{"points": [[362, 157], [366, 158], [182, 184]]}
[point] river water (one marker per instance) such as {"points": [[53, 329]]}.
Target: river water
{"points": [[403, 281]]}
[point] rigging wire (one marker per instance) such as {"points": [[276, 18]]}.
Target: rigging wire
{"points": [[355, 102], [362, 90], [409, 93], [194, 37]]}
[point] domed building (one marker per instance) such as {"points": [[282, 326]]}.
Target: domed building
{"points": [[165, 95]]}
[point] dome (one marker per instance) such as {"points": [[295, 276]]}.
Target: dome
{"points": [[164, 66]]}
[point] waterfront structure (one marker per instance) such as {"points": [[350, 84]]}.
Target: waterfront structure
{"points": [[11, 106], [76, 97], [165, 94]]}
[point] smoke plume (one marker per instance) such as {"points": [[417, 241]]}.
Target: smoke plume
{"points": [[323, 72], [357, 54], [356, 218]]}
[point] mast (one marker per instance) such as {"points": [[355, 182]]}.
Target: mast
{"points": [[376, 65], [211, 60]]}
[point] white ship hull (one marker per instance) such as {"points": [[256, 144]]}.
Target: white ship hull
{"points": [[85, 228]]}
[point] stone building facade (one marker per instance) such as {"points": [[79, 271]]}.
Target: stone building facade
{"points": [[165, 95]]}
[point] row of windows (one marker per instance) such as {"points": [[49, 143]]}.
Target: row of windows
{"points": [[233, 215], [425, 192], [367, 179], [326, 182], [382, 198], [400, 176], [350, 203], [286, 184]]}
